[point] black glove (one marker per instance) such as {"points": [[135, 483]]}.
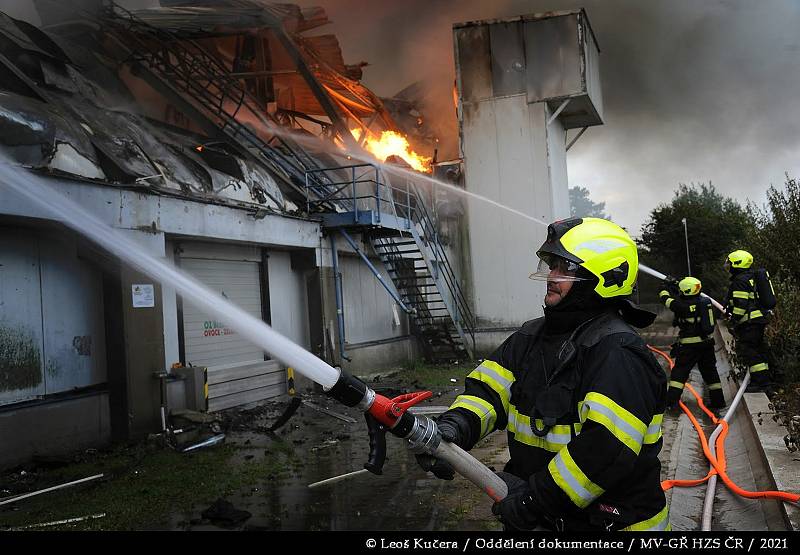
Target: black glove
{"points": [[518, 510], [670, 284], [449, 429]]}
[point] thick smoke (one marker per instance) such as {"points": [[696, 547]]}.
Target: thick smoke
{"points": [[693, 91]]}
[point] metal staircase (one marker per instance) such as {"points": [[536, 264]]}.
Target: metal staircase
{"points": [[396, 219], [404, 236], [188, 75]]}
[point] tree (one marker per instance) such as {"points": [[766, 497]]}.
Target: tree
{"points": [[773, 241], [773, 244], [716, 226], [580, 205]]}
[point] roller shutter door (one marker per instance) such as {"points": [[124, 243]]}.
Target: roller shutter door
{"points": [[237, 371]]}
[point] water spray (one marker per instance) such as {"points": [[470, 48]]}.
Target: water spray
{"points": [[382, 414]]}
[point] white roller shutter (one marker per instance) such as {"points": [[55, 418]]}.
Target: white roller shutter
{"points": [[237, 371]]}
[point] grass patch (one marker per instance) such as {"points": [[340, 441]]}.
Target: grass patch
{"points": [[144, 485], [436, 375]]}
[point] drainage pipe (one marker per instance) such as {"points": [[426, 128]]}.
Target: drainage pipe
{"points": [[337, 285]]}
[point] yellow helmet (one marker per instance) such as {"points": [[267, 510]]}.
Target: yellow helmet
{"points": [[690, 286], [740, 259], [601, 247]]}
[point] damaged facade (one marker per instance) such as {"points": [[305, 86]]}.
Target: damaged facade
{"points": [[195, 130], [228, 142]]}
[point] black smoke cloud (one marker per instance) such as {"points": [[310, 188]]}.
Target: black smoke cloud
{"points": [[693, 90]]}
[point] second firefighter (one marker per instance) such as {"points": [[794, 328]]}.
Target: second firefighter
{"points": [[694, 317]]}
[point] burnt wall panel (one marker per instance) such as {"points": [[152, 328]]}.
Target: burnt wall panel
{"points": [[474, 63], [552, 51], [508, 58]]}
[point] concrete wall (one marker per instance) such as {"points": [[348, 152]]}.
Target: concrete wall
{"points": [[54, 428], [287, 292], [512, 77], [375, 327], [506, 148], [382, 354]]}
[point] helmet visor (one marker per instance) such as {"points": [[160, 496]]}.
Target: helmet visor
{"points": [[555, 269]]}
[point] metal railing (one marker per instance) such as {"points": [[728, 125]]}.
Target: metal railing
{"points": [[362, 187]]}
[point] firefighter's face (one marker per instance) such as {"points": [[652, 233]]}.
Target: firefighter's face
{"points": [[556, 288]]}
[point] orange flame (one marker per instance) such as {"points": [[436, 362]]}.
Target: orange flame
{"points": [[392, 143]]}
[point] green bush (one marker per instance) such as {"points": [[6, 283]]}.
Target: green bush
{"points": [[773, 243], [783, 333]]}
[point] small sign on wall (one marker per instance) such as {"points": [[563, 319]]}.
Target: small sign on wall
{"points": [[143, 295]]}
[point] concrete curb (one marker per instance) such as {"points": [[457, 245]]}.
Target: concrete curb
{"points": [[783, 466]]}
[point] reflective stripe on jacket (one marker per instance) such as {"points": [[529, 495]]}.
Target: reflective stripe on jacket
{"points": [[603, 451], [740, 302]]}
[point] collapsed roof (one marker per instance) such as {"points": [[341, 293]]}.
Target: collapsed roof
{"points": [[216, 101]]}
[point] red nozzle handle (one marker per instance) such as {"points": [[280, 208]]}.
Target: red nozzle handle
{"points": [[388, 411]]}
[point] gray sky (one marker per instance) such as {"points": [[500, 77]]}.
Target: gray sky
{"points": [[694, 90]]}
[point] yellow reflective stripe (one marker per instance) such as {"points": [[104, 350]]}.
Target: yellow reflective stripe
{"points": [[755, 314], [571, 479], [715, 386], [663, 293], [676, 385], [496, 377], [669, 302], [617, 420], [481, 408], [759, 367], [741, 295], [739, 310], [657, 523], [520, 424], [689, 340], [654, 430]]}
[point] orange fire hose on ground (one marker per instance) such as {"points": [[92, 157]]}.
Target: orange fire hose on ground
{"points": [[719, 463]]}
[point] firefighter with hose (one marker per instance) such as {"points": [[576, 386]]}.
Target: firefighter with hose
{"points": [[578, 392], [694, 318], [749, 301]]}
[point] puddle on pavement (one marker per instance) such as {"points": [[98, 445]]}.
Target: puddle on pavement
{"points": [[319, 446]]}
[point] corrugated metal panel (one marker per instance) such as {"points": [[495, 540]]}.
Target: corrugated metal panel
{"points": [[21, 343]]}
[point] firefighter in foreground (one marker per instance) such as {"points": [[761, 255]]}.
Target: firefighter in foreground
{"points": [[579, 393], [694, 317], [749, 300]]}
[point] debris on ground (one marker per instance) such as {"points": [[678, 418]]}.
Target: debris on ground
{"points": [[223, 513], [323, 410], [61, 522], [16, 498]]}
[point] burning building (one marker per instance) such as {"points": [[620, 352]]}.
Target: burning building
{"points": [[228, 142]]}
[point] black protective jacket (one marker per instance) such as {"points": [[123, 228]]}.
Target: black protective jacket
{"points": [[689, 311], [586, 434], [740, 302]]}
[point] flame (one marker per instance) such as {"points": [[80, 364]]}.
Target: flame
{"points": [[392, 143]]}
